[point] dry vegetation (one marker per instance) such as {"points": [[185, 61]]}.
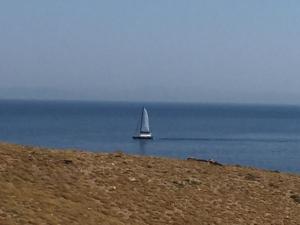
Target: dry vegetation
{"points": [[40, 186]]}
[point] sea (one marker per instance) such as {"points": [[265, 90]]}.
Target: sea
{"points": [[262, 136]]}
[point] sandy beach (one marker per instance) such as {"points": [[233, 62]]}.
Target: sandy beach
{"points": [[42, 186]]}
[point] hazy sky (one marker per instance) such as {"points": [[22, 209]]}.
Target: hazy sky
{"points": [[159, 50]]}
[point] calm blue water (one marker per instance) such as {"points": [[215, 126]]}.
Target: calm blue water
{"points": [[252, 135]]}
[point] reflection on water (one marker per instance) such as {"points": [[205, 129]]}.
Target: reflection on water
{"points": [[142, 146]]}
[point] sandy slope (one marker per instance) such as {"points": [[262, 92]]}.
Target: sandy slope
{"points": [[40, 186]]}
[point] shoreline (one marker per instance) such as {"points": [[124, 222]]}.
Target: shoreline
{"points": [[86, 150], [49, 186]]}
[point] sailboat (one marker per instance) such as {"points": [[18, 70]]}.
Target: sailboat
{"points": [[143, 131]]}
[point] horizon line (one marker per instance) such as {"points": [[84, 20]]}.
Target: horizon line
{"points": [[149, 102]]}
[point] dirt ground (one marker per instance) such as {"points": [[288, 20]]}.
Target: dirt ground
{"points": [[40, 186]]}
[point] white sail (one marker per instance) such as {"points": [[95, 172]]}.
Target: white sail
{"points": [[145, 128], [143, 131]]}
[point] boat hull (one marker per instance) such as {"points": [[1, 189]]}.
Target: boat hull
{"points": [[143, 136], [139, 137]]}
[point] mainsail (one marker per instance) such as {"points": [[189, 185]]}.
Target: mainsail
{"points": [[143, 129], [145, 122]]}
